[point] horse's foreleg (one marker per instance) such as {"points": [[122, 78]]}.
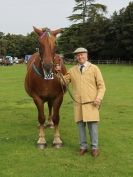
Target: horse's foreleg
{"points": [[41, 141], [57, 142], [50, 122], [41, 118]]}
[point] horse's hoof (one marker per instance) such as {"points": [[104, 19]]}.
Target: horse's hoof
{"points": [[41, 146], [59, 145]]}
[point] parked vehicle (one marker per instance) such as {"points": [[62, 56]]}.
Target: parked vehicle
{"points": [[8, 60], [15, 60], [26, 59], [1, 61]]}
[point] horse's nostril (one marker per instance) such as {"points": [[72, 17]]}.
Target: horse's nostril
{"points": [[47, 67]]}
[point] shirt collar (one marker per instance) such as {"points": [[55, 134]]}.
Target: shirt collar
{"points": [[87, 63]]}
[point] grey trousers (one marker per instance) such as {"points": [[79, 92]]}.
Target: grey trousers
{"points": [[93, 132]]}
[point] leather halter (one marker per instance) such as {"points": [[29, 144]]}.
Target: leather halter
{"points": [[37, 70]]}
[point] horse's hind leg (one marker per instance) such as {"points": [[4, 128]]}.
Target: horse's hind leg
{"points": [[41, 118], [57, 142]]}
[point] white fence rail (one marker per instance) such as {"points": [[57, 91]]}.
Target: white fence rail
{"points": [[104, 61], [112, 61]]}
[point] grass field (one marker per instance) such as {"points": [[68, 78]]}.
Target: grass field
{"points": [[19, 156]]}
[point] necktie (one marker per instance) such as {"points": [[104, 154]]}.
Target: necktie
{"points": [[81, 68]]}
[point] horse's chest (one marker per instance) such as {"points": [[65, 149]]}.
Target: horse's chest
{"points": [[48, 89]]}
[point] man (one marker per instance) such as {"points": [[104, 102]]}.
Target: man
{"points": [[88, 91]]}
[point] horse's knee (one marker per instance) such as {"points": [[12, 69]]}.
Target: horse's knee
{"points": [[55, 120], [41, 120]]}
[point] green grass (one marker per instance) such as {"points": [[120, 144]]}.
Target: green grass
{"points": [[19, 156]]}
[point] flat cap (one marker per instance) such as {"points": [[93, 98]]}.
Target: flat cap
{"points": [[80, 50]]}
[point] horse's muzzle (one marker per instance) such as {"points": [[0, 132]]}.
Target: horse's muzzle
{"points": [[48, 74]]}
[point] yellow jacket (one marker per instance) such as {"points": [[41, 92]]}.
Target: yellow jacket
{"points": [[86, 87]]}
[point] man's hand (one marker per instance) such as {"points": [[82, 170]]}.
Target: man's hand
{"points": [[97, 102], [58, 68]]}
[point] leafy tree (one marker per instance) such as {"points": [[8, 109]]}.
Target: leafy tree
{"points": [[18, 45], [3, 46], [103, 37], [90, 35], [31, 43], [119, 38], [1, 34], [86, 10], [127, 30]]}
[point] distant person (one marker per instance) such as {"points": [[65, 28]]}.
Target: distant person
{"points": [[88, 88]]}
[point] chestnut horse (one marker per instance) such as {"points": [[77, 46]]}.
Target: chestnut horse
{"points": [[43, 85]]}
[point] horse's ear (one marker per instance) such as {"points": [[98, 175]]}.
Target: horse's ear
{"points": [[38, 31], [55, 32]]}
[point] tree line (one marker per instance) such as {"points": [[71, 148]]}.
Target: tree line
{"points": [[18, 45], [104, 37]]}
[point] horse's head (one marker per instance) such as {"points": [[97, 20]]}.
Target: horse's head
{"points": [[47, 42]]}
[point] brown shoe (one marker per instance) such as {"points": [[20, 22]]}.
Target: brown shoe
{"points": [[83, 151], [95, 152]]}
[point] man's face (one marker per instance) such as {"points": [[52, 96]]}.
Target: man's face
{"points": [[81, 57]]}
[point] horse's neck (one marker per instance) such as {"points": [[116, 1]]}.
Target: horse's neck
{"points": [[35, 59]]}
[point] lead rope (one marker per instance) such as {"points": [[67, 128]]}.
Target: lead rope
{"points": [[58, 77], [61, 77]]}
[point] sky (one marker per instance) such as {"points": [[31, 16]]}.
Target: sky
{"points": [[19, 16]]}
